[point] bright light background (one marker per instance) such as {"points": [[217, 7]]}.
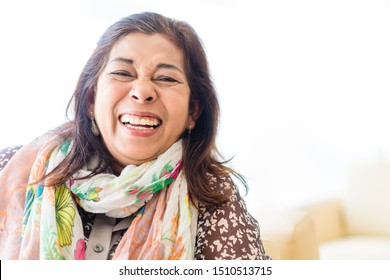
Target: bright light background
{"points": [[303, 85]]}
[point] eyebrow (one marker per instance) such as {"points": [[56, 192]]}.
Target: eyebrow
{"points": [[168, 66], [122, 59], [159, 66]]}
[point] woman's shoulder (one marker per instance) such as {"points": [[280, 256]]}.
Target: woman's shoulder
{"points": [[220, 182], [225, 184], [229, 185], [60, 132], [7, 153], [228, 231]]}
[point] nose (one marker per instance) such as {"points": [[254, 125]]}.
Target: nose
{"points": [[143, 92]]}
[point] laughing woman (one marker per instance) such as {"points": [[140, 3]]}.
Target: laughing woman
{"points": [[136, 173]]}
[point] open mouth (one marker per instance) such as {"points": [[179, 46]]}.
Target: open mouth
{"points": [[140, 122]]}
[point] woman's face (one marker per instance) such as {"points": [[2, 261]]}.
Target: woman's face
{"points": [[142, 98]]}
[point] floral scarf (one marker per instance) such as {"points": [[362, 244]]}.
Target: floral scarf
{"points": [[163, 228]]}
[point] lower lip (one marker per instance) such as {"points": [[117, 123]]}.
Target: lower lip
{"points": [[140, 132]]}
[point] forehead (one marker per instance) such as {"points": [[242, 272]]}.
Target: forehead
{"points": [[144, 47]]}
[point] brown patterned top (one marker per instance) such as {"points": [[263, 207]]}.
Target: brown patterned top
{"points": [[224, 233]]}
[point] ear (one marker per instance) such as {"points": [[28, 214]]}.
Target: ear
{"points": [[195, 112]]}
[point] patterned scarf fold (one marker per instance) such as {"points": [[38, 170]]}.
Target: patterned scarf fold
{"points": [[163, 228]]}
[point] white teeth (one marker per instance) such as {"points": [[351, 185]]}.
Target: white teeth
{"points": [[125, 118], [140, 127], [132, 120]]}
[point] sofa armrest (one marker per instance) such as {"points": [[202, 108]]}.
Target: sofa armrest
{"points": [[288, 235], [328, 218]]}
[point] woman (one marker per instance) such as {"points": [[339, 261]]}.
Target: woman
{"points": [[136, 174]]}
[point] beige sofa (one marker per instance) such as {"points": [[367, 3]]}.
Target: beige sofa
{"points": [[356, 225], [288, 234]]}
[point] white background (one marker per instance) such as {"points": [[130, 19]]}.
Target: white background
{"points": [[303, 85]]}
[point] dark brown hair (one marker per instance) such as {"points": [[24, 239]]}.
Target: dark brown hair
{"points": [[200, 154]]}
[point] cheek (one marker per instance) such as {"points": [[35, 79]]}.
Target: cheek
{"points": [[179, 113], [101, 107], [107, 95], [104, 107]]}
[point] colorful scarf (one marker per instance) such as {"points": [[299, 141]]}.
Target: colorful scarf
{"points": [[164, 225]]}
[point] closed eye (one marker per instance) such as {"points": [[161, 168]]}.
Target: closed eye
{"points": [[124, 76], [166, 80]]}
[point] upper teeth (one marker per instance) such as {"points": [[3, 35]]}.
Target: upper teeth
{"points": [[137, 120]]}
